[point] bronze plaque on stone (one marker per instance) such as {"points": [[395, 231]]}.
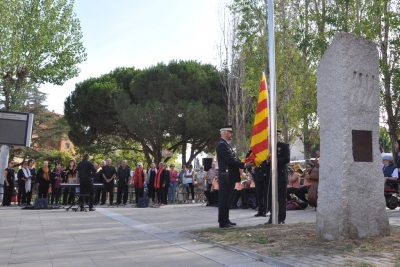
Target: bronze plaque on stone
{"points": [[362, 146]]}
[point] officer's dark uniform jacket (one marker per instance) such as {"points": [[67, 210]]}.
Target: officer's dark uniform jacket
{"points": [[260, 172], [228, 162], [283, 158]]}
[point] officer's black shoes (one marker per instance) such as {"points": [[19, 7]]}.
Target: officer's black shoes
{"points": [[92, 209], [231, 207], [282, 222], [259, 215], [225, 226], [232, 223]]}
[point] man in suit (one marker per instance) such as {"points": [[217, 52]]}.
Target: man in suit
{"points": [[283, 158], [228, 165]]}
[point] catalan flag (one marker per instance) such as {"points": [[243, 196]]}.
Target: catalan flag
{"points": [[259, 138]]}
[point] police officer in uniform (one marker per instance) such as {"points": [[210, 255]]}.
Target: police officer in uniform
{"points": [[229, 166], [283, 158]]}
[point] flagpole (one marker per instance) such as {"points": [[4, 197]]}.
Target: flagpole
{"points": [[271, 45]]}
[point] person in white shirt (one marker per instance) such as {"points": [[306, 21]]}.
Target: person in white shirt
{"points": [[189, 175], [211, 175]]}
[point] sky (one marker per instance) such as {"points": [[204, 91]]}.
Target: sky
{"points": [[140, 34]]}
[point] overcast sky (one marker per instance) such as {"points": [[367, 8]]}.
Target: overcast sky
{"points": [[137, 33]]}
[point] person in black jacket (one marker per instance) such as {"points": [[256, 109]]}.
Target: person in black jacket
{"points": [[160, 183], [167, 183], [397, 155], [57, 177], [229, 174], [21, 184], [139, 181], [31, 163], [283, 158], [86, 171], [43, 178], [123, 178], [98, 179], [9, 177], [109, 173]]}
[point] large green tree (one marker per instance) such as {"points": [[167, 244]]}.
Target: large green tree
{"points": [[172, 106], [164, 107], [40, 41]]}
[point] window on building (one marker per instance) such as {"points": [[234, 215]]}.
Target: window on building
{"points": [[66, 145]]}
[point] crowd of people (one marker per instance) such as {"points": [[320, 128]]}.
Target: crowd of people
{"points": [[163, 185], [235, 184]]}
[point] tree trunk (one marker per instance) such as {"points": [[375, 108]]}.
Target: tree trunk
{"points": [[184, 147]]}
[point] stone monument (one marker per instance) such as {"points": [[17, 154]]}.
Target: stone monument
{"points": [[351, 202]]}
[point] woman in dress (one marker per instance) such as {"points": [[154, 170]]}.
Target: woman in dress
{"points": [[9, 176], [201, 183], [70, 173], [43, 178]]}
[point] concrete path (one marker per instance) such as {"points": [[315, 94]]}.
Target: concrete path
{"points": [[122, 236], [126, 236]]}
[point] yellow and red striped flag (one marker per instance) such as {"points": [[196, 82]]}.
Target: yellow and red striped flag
{"points": [[259, 138]]}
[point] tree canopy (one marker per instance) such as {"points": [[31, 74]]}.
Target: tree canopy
{"points": [[303, 31], [164, 107], [40, 41]]}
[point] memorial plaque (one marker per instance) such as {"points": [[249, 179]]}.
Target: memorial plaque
{"points": [[362, 146]]}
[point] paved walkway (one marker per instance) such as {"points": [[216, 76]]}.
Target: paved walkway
{"points": [[126, 236]]}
